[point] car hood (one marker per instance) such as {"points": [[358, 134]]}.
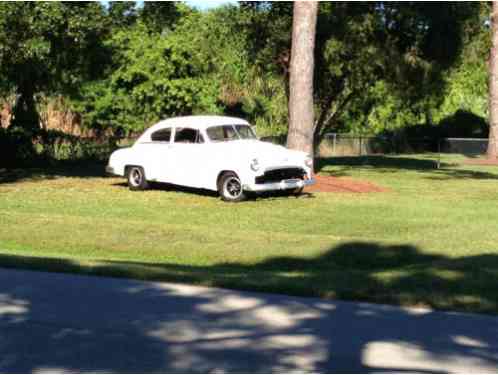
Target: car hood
{"points": [[268, 154]]}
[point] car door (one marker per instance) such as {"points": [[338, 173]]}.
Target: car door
{"points": [[157, 155], [187, 157]]}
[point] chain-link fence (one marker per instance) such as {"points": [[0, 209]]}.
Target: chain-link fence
{"points": [[338, 144], [465, 146], [335, 144]]}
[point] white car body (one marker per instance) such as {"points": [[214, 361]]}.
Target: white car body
{"points": [[200, 165]]}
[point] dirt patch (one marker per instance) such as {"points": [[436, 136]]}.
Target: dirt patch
{"points": [[331, 184], [481, 162]]}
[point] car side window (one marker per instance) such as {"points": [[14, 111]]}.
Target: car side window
{"points": [[162, 135], [188, 135]]}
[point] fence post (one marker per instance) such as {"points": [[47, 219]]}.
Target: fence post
{"points": [[438, 153], [334, 142]]}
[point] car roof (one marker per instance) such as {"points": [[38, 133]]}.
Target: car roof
{"points": [[195, 122], [199, 122]]}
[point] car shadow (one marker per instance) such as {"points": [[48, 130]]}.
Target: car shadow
{"points": [[160, 186]]}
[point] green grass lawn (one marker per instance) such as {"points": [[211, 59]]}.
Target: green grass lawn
{"points": [[430, 240]]}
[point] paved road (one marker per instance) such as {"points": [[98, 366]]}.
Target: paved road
{"points": [[66, 323]]}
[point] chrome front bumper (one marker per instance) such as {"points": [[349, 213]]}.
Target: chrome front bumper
{"points": [[282, 185]]}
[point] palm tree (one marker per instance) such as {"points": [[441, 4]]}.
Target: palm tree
{"points": [[493, 86]]}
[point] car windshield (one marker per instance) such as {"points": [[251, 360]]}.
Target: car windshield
{"points": [[224, 133]]}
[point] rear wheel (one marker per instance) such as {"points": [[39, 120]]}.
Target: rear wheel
{"points": [[136, 178], [230, 188]]}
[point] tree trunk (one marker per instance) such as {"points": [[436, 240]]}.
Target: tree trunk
{"points": [[300, 136], [24, 113], [493, 86]]}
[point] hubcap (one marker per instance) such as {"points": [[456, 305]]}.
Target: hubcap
{"points": [[136, 177], [232, 187]]}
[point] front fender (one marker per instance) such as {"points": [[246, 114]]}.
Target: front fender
{"points": [[246, 175]]}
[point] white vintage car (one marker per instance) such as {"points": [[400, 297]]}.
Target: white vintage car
{"points": [[211, 152]]}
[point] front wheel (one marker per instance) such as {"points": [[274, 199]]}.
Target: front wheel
{"points": [[297, 191], [230, 188], [136, 178]]}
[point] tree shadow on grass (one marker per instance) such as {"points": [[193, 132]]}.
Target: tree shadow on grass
{"points": [[368, 271], [377, 161], [393, 164], [80, 169], [138, 327]]}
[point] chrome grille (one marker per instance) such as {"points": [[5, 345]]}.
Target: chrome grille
{"points": [[277, 175]]}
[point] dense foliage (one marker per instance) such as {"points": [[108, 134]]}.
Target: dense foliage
{"points": [[379, 66], [47, 48]]}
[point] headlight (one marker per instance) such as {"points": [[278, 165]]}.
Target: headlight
{"points": [[255, 165], [308, 161]]}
